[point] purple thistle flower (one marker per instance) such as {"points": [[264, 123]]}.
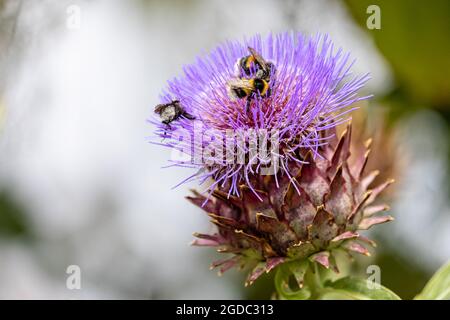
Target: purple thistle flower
{"points": [[311, 91], [316, 197]]}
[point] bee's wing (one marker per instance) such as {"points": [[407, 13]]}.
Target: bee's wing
{"points": [[260, 60], [160, 107]]}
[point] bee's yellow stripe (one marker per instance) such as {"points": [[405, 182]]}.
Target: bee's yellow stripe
{"points": [[249, 61]]}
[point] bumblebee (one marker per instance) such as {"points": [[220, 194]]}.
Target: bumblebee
{"points": [[254, 77], [172, 111], [262, 68], [246, 88]]}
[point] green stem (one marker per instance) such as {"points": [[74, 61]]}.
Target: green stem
{"points": [[304, 272], [313, 280], [318, 281]]}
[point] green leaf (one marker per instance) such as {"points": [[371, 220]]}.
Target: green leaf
{"points": [[438, 288], [282, 285], [355, 288], [335, 294]]}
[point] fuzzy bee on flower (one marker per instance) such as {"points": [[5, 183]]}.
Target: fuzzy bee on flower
{"points": [[255, 77], [172, 111], [254, 64], [320, 197]]}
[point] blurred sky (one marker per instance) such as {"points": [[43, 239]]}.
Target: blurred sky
{"points": [[74, 156]]}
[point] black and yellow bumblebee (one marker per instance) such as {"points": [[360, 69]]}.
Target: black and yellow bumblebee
{"points": [[262, 69], [254, 77], [246, 88]]}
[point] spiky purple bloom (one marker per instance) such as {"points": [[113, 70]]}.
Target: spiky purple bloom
{"points": [[312, 91]]}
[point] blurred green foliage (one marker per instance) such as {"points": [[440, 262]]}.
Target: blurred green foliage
{"points": [[414, 38], [399, 274], [12, 218]]}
